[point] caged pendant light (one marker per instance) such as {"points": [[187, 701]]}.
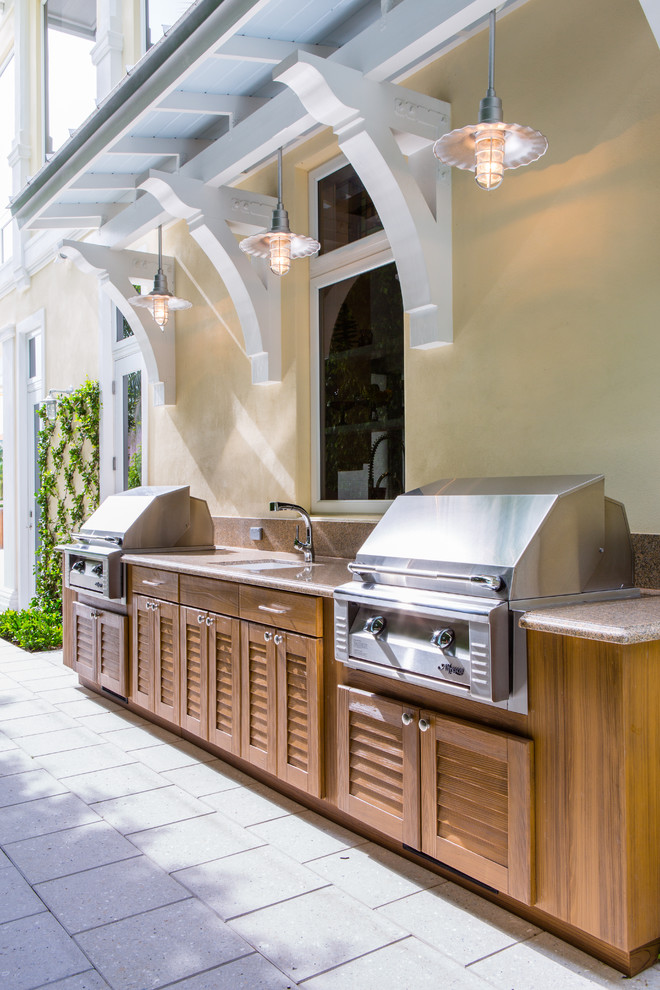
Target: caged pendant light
{"points": [[160, 300], [279, 244], [490, 146]]}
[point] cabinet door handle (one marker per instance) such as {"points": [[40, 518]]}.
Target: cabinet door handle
{"points": [[271, 608], [407, 718], [209, 620], [268, 636], [424, 725], [153, 584], [277, 638], [149, 606], [201, 619]]}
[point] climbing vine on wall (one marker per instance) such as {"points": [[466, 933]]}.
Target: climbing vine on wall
{"points": [[68, 471]]}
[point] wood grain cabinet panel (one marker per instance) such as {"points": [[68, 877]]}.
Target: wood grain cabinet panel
{"points": [[299, 711], [284, 609], [155, 656], [153, 582], [194, 671], [224, 683], [98, 647], [258, 697], [84, 658]]}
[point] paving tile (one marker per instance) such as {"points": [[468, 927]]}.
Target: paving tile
{"points": [[109, 721], [56, 694], [202, 779], [403, 966], [91, 980], [109, 893], [306, 836], [83, 707], [139, 736], [461, 924], [46, 686], [17, 899], [161, 946], [11, 692], [374, 875], [150, 809], [253, 804], [15, 761], [57, 854], [37, 951], [24, 708], [32, 725], [545, 961], [23, 821], [29, 674], [249, 973], [193, 841], [167, 756], [6, 743], [249, 881], [58, 742], [311, 933], [113, 782], [85, 760], [28, 786]]}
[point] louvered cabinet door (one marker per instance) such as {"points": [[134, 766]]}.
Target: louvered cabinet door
{"points": [[111, 645], [258, 696], [143, 651], [166, 661], [194, 672], [378, 763], [224, 682], [84, 654], [477, 812], [299, 711]]}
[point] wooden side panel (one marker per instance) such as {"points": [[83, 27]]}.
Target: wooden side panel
{"points": [[142, 655], [167, 672], [299, 712], [258, 697], [112, 665], [378, 763], [68, 598], [284, 609], [225, 683], [194, 672], [476, 785], [84, 653]]}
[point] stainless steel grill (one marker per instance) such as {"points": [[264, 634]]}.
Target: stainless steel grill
{"points": [[438, 584], [146, 519]]}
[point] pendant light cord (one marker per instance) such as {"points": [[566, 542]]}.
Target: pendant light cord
{"points": [[279, 178], [491, 55]]}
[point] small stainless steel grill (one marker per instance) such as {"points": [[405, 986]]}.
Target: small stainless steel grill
{"points": [[438, 584], [142, 519]]}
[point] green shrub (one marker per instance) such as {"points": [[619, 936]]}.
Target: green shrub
{"points": [[33, 628]]}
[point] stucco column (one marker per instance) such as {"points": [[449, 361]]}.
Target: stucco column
{"points": [[8, 575]]}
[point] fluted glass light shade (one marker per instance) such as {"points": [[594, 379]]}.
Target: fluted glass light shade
{"points": [[279, 244], [490, 146], [160, 300]]}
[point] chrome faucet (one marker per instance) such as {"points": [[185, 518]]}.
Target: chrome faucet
{"points": [[308, 546]]}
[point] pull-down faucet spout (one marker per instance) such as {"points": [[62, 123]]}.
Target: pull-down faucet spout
{"points": [[308, 546]]}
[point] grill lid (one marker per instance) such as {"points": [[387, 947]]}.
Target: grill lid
{"points": [[142, 518], [506, 537]]}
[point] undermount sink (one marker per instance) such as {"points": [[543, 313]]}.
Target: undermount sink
{"points": [[255, 566]]}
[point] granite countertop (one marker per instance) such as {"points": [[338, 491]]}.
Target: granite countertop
{"points": [[238, 564], [626, 621]]}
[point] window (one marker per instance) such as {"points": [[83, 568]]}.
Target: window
{"points": [[68, 70], [130, 406], [6, 139], [160, 15], [357, 319]]}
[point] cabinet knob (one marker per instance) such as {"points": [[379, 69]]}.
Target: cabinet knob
{"points": [[201, 618], [149, 606], [277, 638], [268, 636], [209, 620], [424, 725], [407, 718]]}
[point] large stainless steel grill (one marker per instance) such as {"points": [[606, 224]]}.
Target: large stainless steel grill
{"points": [[147, 518], [438, 584]]}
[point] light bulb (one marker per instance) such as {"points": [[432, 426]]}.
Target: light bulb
{"points": [[160, 310], [279, 248], [489, 154]]}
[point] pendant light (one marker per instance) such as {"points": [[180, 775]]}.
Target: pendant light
{"points": [[490, 146], [160, 300], [279, 244]]}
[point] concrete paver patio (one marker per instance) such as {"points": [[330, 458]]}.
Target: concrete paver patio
{"points": [[132, 860]]}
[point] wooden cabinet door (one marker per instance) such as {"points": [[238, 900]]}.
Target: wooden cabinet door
{"points": [[299, 711], [258, 696], [111, 650], [224, 680], [143, 652], [166, 674], [378, 763], [194, 671], [476, 800], [84, 654]]}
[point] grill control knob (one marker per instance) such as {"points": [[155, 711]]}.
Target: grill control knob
{"points": [[443, 638], [79, 566], [97, 569], [375, 625]]}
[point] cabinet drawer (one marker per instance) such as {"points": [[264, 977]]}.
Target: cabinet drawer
{"points": [[155, 583], [284, 609], [208, 594]]}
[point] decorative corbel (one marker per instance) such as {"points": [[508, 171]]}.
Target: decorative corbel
{"points": [[214, 215], [116, 271], [386, 132]]}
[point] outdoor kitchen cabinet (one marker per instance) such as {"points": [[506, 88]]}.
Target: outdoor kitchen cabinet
{"points": [[98, 647], [455, 791], [155, 656], [210, 677]]}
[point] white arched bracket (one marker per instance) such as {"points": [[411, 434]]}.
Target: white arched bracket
{"points": [[214, 216], [386, 133], [116, 271]]}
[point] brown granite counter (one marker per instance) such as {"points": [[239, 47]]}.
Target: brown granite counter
{"points": [[241, 565], [627, 621]]}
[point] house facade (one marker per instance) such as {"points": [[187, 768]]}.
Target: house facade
{"points": [[441, 331]]}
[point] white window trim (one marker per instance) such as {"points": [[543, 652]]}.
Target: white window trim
{"points": [[30, 393], [362, 256]]}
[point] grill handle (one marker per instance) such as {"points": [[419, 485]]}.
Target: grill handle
{"points": [[493, 581]]}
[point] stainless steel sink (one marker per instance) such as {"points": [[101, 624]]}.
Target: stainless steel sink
{"points": [[256, 566]]}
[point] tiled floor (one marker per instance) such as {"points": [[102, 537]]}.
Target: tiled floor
{"points": [[132, 860]]}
